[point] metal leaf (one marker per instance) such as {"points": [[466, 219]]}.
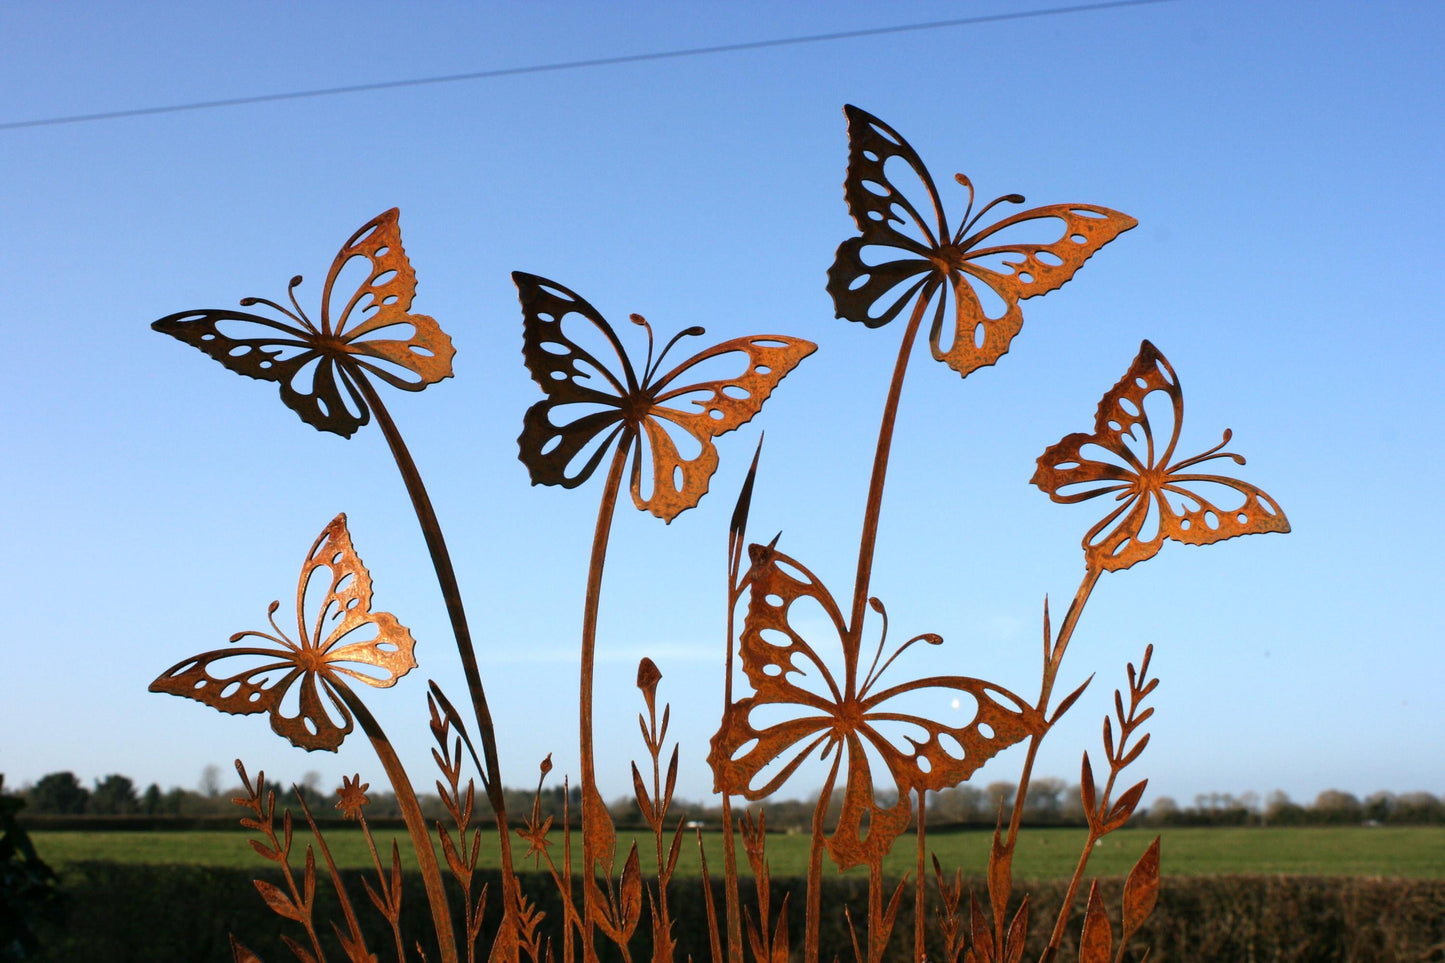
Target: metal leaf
{"points": [[1141, 890], [1096, 942], [279, 900]]}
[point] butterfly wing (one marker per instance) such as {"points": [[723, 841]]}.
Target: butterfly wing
{"points": [[773, 653], [375, 322], [342, 627], [1015, 271], [1068, 473], [706, 410], [885, 218], [568, 374], [313, 366]]}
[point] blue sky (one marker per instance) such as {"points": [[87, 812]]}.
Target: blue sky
{"points": [[1283, 162]]}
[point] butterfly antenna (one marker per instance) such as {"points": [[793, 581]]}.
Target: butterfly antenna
{"points": [[291, 292], [692, 332], [876, 604], [1211, 454], [300, 318], [968, 185], [280, 636], [639, 320], [1005, 199], [932, 638]]}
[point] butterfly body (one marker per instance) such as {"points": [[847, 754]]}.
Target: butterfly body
{"points": [[940, 264], [320, 367], [637, 414]]}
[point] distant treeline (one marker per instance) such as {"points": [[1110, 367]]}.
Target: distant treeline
{"points": [[1051, 802]]}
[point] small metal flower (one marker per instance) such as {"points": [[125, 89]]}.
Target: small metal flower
{"points": [[343, 639], [1158, 499], [370, 333], [351, 797], [847, 716], [968, 262]]}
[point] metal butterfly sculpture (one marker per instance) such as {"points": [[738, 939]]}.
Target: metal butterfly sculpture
{"points": [[326, 652], [1155, 494], [847, 717], [370, 333], [631, 408], [938, 261]]}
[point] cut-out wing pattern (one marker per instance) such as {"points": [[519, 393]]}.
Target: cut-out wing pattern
{"points": [[564, 447], [1159, 499], [332, 644], [872, 284], [846, 716], [371, 332]]}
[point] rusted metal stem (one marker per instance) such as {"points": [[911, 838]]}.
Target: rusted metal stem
{"points": [[1051, 669], [456, 612], [415, 823], [872, 508], [813, 914], [920, 916], [596, 822], [730, 856]]}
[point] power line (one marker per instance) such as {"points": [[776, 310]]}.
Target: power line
{"points": [[575, 64]]}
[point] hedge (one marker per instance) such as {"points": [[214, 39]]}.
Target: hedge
{"points": [[126, 912]]}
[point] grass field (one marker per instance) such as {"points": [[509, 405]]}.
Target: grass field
{"points": [[1414, 852]]}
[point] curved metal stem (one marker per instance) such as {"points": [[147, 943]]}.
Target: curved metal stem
{"points": [[596, 823], [415, 823], [456, 612], [874, 504]]}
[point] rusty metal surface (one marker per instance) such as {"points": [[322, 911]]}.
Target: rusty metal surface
{"points": [[1154, 492], [795, 689], [325, 654], [372, 334]]}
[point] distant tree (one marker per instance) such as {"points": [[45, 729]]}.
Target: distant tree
{"points": [[174, 802], [211, 781], [1071, 806], [1162, 811], [152, 800], [961, 804], [1045, 800], [114, 795], [1379, 806], [1279, 811], [29, 893], [1418, 807], [58, 792], [1000, 797], [1334, 806]]}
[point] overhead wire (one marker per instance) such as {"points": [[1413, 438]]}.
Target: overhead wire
{"points": [[576, 64]]}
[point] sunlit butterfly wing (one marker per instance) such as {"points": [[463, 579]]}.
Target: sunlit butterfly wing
{"points": [[784, 669], [939, 261], [372, 331], [329, 644], [1149, 485], [706, 410], [1015, 271]]}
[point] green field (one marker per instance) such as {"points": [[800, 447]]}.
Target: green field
{"points": [[1414, 852]]}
